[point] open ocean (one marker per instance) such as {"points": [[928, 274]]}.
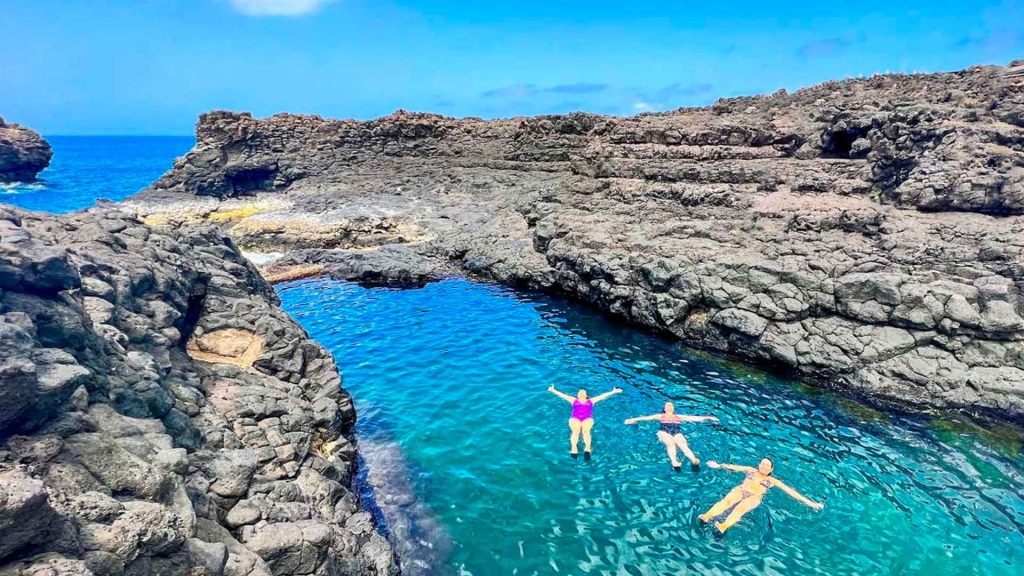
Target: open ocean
{"points": [[85, 168]]}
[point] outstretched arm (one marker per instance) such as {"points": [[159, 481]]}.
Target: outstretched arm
{"points": [[698, 419], [607, 395], [565, 397], [643, 418], [796, 495], [732, 467]]}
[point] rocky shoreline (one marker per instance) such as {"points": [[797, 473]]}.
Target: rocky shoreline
{"points": [[866, 234], [160, 414], [23, 153]]}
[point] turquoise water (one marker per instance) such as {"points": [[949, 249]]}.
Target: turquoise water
{"points": [[85, 168], [450, 384], [455, 374]]}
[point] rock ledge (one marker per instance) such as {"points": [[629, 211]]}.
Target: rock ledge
{"points": [[865, 234], [160, 414]]}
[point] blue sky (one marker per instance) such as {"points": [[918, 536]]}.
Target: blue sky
{"points": [[151, 66]]}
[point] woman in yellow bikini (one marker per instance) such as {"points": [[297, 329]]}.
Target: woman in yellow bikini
{"points": [[750, 493]]}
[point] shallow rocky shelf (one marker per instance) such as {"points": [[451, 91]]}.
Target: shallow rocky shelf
{"points": [[865, 234]]}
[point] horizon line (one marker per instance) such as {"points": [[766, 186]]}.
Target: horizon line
{"points": [[741, 94], [117, 135]]}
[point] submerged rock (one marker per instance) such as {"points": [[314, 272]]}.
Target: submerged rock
{"points": [[154, 400], [23, 153], [866, 234]]}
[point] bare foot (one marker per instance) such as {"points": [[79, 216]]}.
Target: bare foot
{"points": [[703, 518], [721, 528], [695, 462]]}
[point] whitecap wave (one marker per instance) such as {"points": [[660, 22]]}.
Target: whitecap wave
{"points": [[21, 187]]}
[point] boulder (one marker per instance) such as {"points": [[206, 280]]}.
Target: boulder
{"points": [[229, 472], [25, 513], [123, 472], [23, 153], [211, 557], [292, 547]]}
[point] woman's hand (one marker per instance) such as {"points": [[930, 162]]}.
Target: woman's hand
{"points": [[630, 421], [551, 388], [713, 464], [713, 419], [816, 505], [607, 395]]}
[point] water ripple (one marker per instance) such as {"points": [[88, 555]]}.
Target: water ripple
{"points": [[85, 168], [455, 375]]}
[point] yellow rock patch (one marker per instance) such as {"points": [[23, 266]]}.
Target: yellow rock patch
{"points": [[699, 318], [234, 214], [172, 219], [276, 274], [156, 220], [229, 346]]}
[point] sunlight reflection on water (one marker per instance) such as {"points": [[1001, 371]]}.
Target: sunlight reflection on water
{"points": [[455, 375]]}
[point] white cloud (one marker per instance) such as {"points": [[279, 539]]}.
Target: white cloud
{"points": [[641, 106], [277, 7]]}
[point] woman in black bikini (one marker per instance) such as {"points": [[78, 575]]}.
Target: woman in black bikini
{"points": [[671, 434], [750, 493]]}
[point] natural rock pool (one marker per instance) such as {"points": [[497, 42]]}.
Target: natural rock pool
{"points": [[454, 375]]}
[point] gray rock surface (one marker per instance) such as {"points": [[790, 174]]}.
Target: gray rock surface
{"points": [[864, 234], [23, 153], [26, 516], [159, 414]]}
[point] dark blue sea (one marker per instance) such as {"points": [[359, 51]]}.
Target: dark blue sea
{"points": [[85, 168], [450, 381]]}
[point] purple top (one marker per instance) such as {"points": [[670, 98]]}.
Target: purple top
{"points": [[582, 410]]}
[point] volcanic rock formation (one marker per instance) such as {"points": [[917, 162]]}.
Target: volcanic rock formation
{"points": [[159, 414], [865, 234], [23, 153]]}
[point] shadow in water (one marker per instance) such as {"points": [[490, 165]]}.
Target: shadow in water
{"points": [[385, 487]]}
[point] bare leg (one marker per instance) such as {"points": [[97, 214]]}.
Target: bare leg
{"points": [[587, 426], [680, 441], [670, 447], [745, 505], [730, 500], [574, 440]]}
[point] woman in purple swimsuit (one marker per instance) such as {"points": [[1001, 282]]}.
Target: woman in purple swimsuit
{"points": [[582, 419]]}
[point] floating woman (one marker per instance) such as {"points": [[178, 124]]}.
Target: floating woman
{"points": [[671, 435], [750, 493], [582, 420]]}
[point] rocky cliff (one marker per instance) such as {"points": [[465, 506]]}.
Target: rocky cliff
{"points": [[864, 234], [23, 153], [159, 414]]}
